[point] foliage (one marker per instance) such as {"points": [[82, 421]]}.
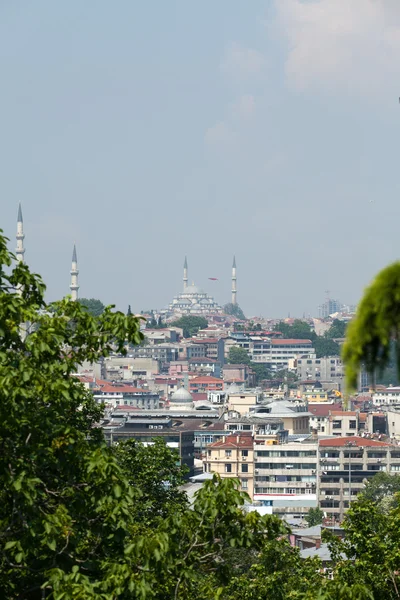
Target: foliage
{"points": [[261, 370], [65, 507], [314, 516], [336, 330], [325, 347], [299, 330], [369, 554], [234, 310], [94, 306], [155, 469], [190, 325], [278, 574], [376, 325], [238, 356], [382, 490], [154, 323]]}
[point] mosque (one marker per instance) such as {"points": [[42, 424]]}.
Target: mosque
{"points": [[191, 301], [195, 301]]}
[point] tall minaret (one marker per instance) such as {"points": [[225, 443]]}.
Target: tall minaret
{"points": [[20, 250], [234, 281], [74, 287], [185, 274]]}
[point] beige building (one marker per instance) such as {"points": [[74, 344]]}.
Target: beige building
{"points": [[242, 402], [345, 423], [233, 457]]}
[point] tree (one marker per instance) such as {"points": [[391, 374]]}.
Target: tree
{"points": [[325, 347], [234, 310], [382, 490], [376, 327], [155, 469], [94, 306], [314, 516], [300, 330], [190, 325], [261, 370], [336, 330], [369, 553], [238, 356], [65, 507]]}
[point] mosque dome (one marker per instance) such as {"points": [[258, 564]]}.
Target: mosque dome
{"points": [[192, 289], [182, 396]]}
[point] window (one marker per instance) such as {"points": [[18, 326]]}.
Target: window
{"points": [[244, 484], [245, 468], [228, 453], [245, 453], [337, 424], [353, 424], [228, 468]]}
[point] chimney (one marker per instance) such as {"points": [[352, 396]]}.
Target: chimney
{"points": [[318, 544]]}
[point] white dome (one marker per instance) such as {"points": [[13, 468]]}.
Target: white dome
{"points": [[181, 396], [192, 289]]}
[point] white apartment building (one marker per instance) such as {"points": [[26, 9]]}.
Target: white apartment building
{"points": [[285, 476], [386, 397], [277, 353], [345, 464]]}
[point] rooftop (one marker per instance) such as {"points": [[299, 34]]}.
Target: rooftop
{"points": [[233, 441], [354, 440]]}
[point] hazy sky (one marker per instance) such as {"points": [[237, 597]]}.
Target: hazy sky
{"points": [[150, 130]]}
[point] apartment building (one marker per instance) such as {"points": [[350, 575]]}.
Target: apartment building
{"points": [[345, 423], [345, 463], [321, 369], [285, 476], [387, 397], [277, 353], [125, 395], [320, 416], [206, 384], [233, 457]]}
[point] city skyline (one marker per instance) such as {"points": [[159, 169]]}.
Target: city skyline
{"points": [[143, 145]]}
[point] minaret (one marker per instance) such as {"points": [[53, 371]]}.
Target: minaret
{"points": [[20, 250], [185, 274], [74, 287], [234, 281]]}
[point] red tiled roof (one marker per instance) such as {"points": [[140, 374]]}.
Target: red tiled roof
{"points": [[233, 441], [282, 342], [322, 410], [356, 440], [343, 413], [204, 340], [205, 379], [127, 407]]}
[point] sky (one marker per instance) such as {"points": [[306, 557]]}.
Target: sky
{"points": [[147, 131]]}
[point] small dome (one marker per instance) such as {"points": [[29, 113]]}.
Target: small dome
{"points": [[181, 396]]}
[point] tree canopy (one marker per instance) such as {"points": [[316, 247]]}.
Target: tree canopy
{"points": [[94, 306], [234, 310], [314, 516], [238, 356], [375, 328], [190, 325]]}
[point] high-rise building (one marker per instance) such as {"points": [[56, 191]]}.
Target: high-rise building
{"points": [[20, 250]]}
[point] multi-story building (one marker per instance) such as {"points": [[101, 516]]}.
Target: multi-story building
{"points": [[387, 396], [345, 463], [321, 369], [277, 353], [206, 384], [165, 353], [320, 416], [233, 456], [285, 476], [329, 307], [295, 416], [345, 423], [213, 347], [125, 395]]}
